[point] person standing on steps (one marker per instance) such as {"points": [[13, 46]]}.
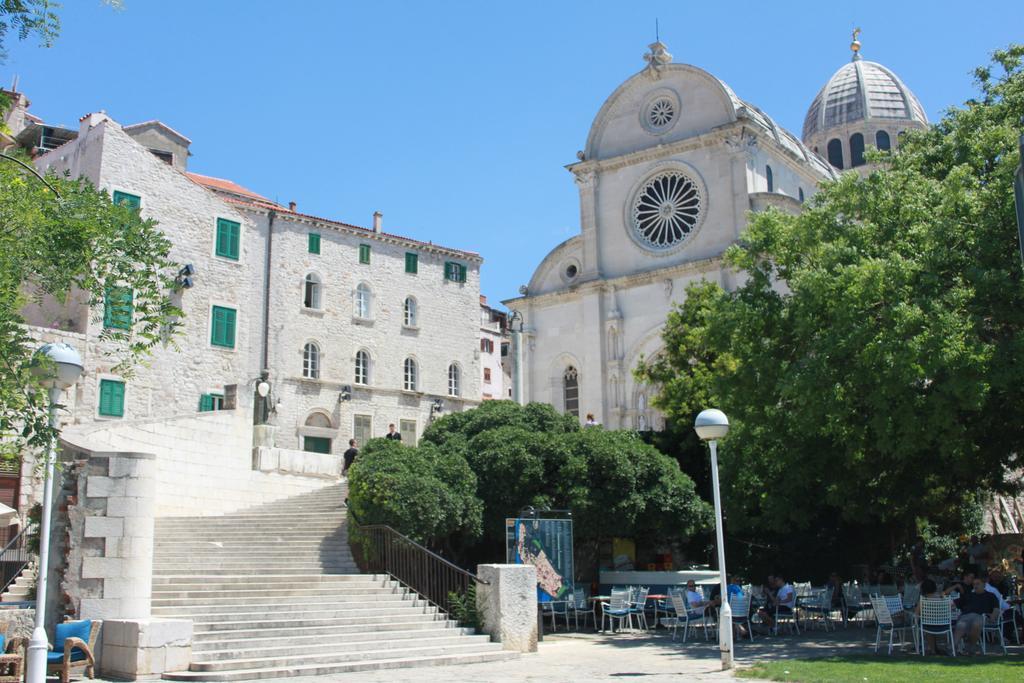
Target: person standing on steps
{"points": [[350, 456], [392, 435]]}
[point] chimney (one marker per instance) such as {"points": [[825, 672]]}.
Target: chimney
{"points": [[291, 206], [377, 219], [91, 120]]}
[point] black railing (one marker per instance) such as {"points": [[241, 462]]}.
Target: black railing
{"points": [[379, 549], [13, 559]]}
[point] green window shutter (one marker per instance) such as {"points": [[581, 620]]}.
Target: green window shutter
{"points": [[462, 272], [456, 272], [364, 253], [206, 403], [228, 233], [117, 308], [222, 327], [314, 243], [411, 262], [449, 270], [130, 201], [111, 398]]}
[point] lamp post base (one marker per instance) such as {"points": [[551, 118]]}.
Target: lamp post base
{"points": [[725, 630], [35, 661]]}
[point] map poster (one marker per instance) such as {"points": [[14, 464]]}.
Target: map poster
{"points": [[547, 545]]}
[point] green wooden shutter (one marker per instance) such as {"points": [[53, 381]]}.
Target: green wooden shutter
{"points": [[314, 243], [228, 233], [364, 253], [462, 272], [449, 270], [222, 327], [411, 262], [130, 201], [117, 308], [111, 398], [205, 403]]}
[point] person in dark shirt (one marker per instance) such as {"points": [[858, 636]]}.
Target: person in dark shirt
{"points": [[975, 607], [350, 456], [392, 435]]}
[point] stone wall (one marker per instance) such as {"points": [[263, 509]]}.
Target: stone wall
{"points": [[204, 462], [288, 461]]}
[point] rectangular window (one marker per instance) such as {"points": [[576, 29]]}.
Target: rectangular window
{"points": [[314, 243], [210, 402], [487, 375], [362, 429], [111, 398], [412, 262], [228, 233], [117, 308], [131, 201], [364, 253], [487, 345], [456, 272], [407, 428], [222, 327], [316, 444]]}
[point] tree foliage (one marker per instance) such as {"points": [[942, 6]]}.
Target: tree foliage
{"points": [[58, 237], [878, 384]]}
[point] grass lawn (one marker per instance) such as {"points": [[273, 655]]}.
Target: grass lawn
{"points": [[858, 669]]}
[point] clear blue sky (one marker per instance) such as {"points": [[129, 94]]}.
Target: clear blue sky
{"points": [[455, 119]]}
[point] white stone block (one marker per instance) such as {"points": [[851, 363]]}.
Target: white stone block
{"points": [[507, 605], [102, 567], [122, 506], [104, 487], [99, 608], [101, 527]]}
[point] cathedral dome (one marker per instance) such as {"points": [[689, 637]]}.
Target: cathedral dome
{"points": [[861, 91], [864, 103]]}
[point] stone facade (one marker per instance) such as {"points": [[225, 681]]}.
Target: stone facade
{"points": [[494, 343], [266, 287], [598, 302]]}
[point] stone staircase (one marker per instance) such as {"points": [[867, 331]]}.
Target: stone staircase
{"points": [[22, 588], [273, 591]]}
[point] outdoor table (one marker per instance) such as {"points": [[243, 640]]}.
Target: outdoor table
{"points": [[657, 597]]}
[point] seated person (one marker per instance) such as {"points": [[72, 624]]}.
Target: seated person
{"points": [[716, 591], [974, 607], [782, 602], [929, 590], [694, 598], [964, 585], [835, 582]]}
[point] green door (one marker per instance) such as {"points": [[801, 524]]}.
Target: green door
{"points": [[316, 444]]}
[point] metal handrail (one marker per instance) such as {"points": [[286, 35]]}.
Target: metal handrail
{"points": [[16, 547], [380, 549]]}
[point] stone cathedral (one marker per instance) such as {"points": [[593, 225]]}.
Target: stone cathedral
{"points": [[673, 163]]}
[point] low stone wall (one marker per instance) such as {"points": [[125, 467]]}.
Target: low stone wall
{"points": [[204, 462], [20, 622], [286, 461], [145, 648]]}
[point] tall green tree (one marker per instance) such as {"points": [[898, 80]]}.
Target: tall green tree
{"points": [[61, 237], [878, 384]]}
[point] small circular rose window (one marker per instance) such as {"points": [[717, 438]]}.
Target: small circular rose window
{"points": [[661, 112], [666, 210]]}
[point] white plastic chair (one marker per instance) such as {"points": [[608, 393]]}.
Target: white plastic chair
{"points": [[911, 594], [994, 628], [617, 607], [637, 605], [936, 619], [740, 606], [885, 622]]}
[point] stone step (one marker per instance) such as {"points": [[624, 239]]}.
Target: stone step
{"points": [[198, 566], [214, 553], [264, 593], [307, 648], [368, 627], [320, 669], [216, 642], [172, 569], [218, 546], [273, 600], [290, 661], [332, 609], [255, 537], [374, 579]]}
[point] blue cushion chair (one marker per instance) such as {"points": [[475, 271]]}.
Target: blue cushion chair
{"points": [[73, 645]]}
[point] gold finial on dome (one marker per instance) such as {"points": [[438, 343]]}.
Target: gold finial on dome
{"points": [[855, 45]]}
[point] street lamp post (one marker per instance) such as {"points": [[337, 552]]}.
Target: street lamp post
{"points": [[61, 371], [711, 425]]}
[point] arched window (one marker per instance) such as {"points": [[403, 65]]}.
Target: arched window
{"points": [[362, 301], [770, 177], [362, 374], [882, 140], [409, 383], [311, 291], [835, 152], [800, 191], [856, 150], [318, 420], [571, 391], [409, 312], [311, 361], [317, 444], [454, 376]]}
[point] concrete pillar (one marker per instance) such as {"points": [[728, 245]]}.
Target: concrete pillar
{"points": [[507, 605]]}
